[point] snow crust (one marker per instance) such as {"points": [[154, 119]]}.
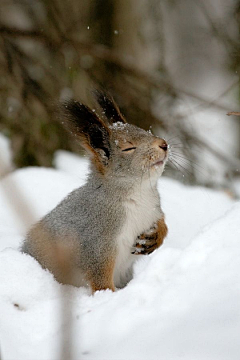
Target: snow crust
{"points": [[184, 299]]}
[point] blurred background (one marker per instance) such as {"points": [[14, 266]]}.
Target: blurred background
{"points": [[172, 66]]}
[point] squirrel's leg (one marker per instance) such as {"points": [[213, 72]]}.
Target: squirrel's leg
{"points": [[147, 242], [101, 277]]}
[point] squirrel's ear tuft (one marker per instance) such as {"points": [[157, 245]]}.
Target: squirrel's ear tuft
{"points": [[110, 108], [84, 124]]}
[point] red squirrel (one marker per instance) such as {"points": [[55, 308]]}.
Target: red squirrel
{"points": [[101, 228]]}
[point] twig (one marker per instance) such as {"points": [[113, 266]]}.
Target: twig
{"points": [[217, 31], [236, 113], [211, 103], [28, 34]]}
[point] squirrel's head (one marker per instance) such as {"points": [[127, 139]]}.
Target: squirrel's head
{"points": [[116, 148]]}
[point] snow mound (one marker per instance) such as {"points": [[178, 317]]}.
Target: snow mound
{"points": [[189, 209], [183, 302], [28, 194], [71, 163]]}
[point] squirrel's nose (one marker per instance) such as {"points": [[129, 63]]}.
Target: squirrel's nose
{"points": [[164, 145], [161, 143]]}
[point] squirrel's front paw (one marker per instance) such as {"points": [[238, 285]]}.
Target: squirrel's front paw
{"points": [[147, 242]]}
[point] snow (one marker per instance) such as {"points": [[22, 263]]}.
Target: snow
{"points": [[118, 125], [183, 302]]}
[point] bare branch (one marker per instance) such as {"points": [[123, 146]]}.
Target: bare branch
{"points": [[236, 113]]}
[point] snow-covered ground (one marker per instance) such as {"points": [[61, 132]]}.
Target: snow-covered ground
{"points": [[183, 302]]}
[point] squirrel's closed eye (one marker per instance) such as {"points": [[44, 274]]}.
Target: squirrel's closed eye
{"points": [[129, 149]]}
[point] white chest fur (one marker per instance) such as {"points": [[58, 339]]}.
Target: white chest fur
{"points": [[142, 211]]}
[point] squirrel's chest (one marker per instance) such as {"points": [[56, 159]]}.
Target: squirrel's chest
{"points": [[141, 211]]}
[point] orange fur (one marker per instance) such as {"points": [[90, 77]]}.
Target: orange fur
{"points": [[152, 239], [162, 231], [102, 278]]}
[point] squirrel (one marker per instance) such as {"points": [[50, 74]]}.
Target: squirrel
{"points": [[95, 234]]}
